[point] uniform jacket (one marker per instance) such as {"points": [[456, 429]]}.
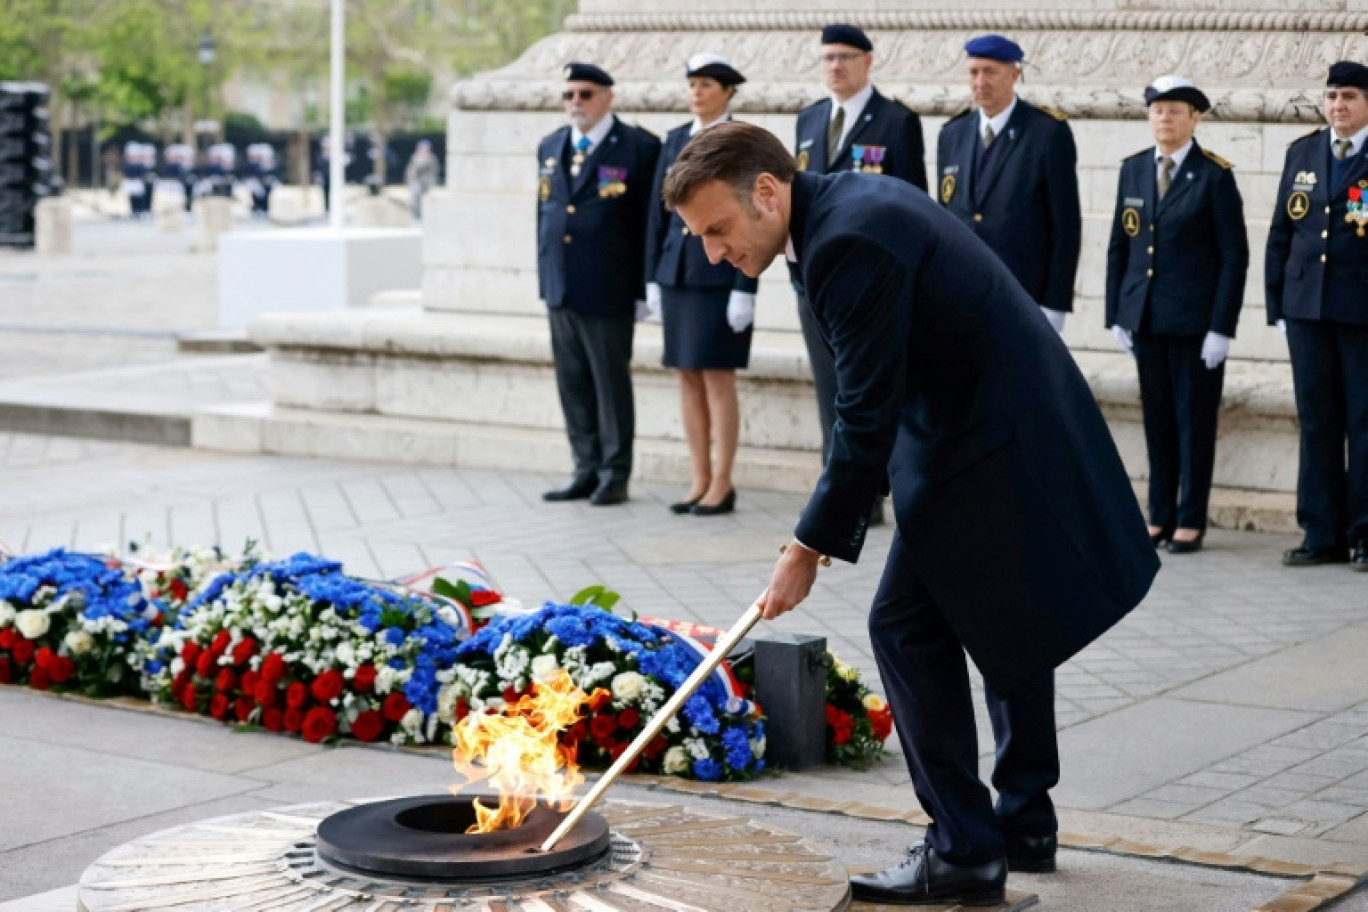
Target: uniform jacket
{"points": [[1010, 496], [674, 256], [1316, 262], [887, 138], [1026, 207], [1185, 258], [589, 228]]}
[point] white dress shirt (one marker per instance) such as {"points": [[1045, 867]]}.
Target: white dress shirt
{"points": [[854, 106], [1177, 157], [998, 122], [596, 134], [1355, 142]]}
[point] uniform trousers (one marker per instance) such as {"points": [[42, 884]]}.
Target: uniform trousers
{"points": [[1181, 402], [593, 357], [1330, 376], [925, 673]]}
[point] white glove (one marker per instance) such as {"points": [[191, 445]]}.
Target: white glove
{"points": [[1123, 339], [643, 310], [653, 298], [1056, 318], [1282, 327], [740, 310], [1215, 347]]}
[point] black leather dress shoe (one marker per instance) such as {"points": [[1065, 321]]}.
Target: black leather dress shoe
{"points": [[725, 505], [1031, 854], [577, 489], [1310, 557], [1359, 558], [923, 878], [684, 506], [1178, 546], [609, 494]]}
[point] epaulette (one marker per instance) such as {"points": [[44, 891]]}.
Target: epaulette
{"points": [[1314, 132], [1217, 159], [961, 114], [1053, 112]]}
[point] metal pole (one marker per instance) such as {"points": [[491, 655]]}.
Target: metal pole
{"points": [[337, 116], [708, 666]]}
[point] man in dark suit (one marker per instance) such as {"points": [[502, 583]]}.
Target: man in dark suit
{"points": [[1316, 270], [593, 201], [856, 129], [1008, 170], [1175, 282], [1019, 538]]}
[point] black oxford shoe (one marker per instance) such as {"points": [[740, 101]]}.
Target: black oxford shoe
{"points": [[1310, 557], [1359, 559], [923, 878], [1031, 854], [577, 489], [608, 494]]}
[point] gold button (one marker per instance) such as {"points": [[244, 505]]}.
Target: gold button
{"points": [[978, 216], [1151, 227], [1150, 273], [1322, 258], [1325, 234], [570, 210], [1151, 251], [1327, 210], [684, 230], [566, 239]]}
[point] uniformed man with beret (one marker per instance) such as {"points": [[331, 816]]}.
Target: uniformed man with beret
{"points": [[1008, 170], [594, 180], [855, 129], [1316, 271], [1176, 270]]}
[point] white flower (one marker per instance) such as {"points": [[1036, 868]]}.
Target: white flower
{"points": [[676, 760], [79, 642], [757, 747], [7, 613], [543, 666], [627, 686], [32, 623], [697, 748], [843, 671], [345, 654], [873, 702]]}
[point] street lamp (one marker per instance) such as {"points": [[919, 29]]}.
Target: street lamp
{"points": [[206, 53]]}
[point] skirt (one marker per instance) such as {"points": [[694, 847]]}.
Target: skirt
{"points": [[697, 334]]}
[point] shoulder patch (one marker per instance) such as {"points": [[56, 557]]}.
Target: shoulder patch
{"points": [[1053, 112], [1217, 159]]}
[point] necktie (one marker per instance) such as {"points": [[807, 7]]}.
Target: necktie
{"points": [[1165, 174], [578, 158], [834, 131], [1341, 149], [988, 136]]}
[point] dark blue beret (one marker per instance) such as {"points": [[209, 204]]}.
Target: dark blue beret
{"points": [[1348, 73], [713, 66], [995, 47], [849, 35], [587, 72], [1176, 88]]}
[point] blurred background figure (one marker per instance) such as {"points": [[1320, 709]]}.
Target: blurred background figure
{"points": [[132, 187], [421, 175], [260, 177], [177, 174]]}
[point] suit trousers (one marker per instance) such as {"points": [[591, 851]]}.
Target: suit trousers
{"points": [[1181, 402], [926, 676], [1330, 376], [593, 376]]}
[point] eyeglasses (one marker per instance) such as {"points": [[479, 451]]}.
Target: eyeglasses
{"points": [[584, 94], [1343, 94], [841, 57]]}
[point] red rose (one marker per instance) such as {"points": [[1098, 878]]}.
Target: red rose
{"points": [[462, 708], [294, 720], [221, 641], [395, 707], [204, 663], [22, 650], [180, 680], [598, 699], [510, 694], [62, 669], [296, 695], [368, 726], [327, 686], [320, 723], [273, 667], [244, 650], [272, 719], [178, 590], [43, 659], [882, 723], [265, 693], [218, 707], [617, 750], [227, 679], [628, 718], [577, 733], [655, 747], [249, 681], [7, 637], [40, 679], [189, 698], [602, 726], [5, 672], [242, 708], [479, 598], [364, 680]]}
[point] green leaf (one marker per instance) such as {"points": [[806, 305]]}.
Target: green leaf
{"points": [[607, 599], [586, 596], [447, 590]]}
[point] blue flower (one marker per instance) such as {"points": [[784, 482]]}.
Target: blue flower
{"points": [[395, 636], [736, 743], [699, 713], [707, 769]]}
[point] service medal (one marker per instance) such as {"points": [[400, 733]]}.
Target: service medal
{"points": [[875, 156], [857, 154], [1356, 212]]}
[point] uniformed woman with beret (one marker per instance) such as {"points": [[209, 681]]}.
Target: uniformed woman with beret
{"points": [[707, 309], [1175, 281]]}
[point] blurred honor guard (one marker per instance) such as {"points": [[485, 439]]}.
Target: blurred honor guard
{"points": [[132, 185], [708, 308], [1316, 270], [856, 129], [177, 175], [593, 185], [1007, 169], [1176, 270], [261, 179]]}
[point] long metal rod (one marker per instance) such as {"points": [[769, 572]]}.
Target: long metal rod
{"points": [[337, 115], [657, 722]]}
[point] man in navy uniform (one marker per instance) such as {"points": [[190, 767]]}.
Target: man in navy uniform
{"points": [[593, 200], [856, 129], [1018, 536], [1008, 170], [1316, 270], [1175, 282]]}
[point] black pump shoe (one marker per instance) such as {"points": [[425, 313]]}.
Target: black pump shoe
{"points": [[1178, 546], [725, 505], [923, 878], [684, 506], [1161, 537]]}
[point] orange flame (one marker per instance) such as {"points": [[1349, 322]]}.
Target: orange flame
{"points": [[519, 753]]}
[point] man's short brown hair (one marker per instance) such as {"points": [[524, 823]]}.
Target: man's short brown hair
{"points": [[732, 152]]}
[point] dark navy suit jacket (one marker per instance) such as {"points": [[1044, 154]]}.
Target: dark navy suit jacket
{"points": [[1026, 206], [889, 128], [589, 229], [1185, 259], [1316, 263], [1009, 493], [674, 256]]}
